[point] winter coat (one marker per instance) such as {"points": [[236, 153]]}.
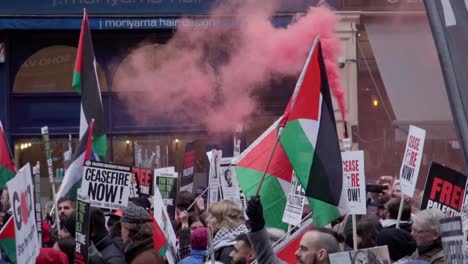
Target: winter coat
{"points": [[109, 251], [196, 257], [143, 252]]}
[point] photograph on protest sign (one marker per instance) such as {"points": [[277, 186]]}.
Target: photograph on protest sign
{"points": [[107, 185], [412, 157], [374, 255], [214, 157], [21, 194], [164, 222], [444, 190], [144, 181], [82, 228], [229, 184], [295, 202], [188, 173], [166, 180], [355, 181], [452, 239]]}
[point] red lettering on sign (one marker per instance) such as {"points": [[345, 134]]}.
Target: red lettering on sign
{"points": [[456, 202], [414, 143], [355, 179], [445, 193], [412, 161], [143, 176], [350, 165], [436, 187]]}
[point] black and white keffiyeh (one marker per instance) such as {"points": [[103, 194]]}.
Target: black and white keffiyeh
{"points": [[227, 236]]}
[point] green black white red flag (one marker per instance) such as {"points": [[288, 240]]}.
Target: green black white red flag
{"points": [[309, 135], [7, 167], [86, 83]]}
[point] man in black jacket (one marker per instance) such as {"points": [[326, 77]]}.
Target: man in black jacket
{"points": [[100, 237]]}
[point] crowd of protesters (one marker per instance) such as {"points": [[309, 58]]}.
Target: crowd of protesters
{"points": [[127, 236]]}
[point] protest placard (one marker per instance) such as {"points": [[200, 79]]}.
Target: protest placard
{"points": [[294, 203], [107, 185], [230, 189], [37, 197], [82, 228], [21, 194], [452, 239], [162, 219], [144, 182], [364, 256], [186, 182], [214, 157], [412, 157], [444, 190], [166, 180], [355, 181]]}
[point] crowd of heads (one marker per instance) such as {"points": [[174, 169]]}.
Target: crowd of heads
{"points": [[128, 236]]}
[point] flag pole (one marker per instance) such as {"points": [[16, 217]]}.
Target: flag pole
{"points": [[269, 160], [400, 210], [196, 199]]}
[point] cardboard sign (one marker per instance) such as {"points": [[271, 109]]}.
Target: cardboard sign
{"points": [[186, 183], [107, 185], [295, 203], [21, 193], [412, 157], [144, 181], [444, 190], [166, 180], [364, 256], [464, 211], [452, 240], [82, 228], [214, 157], [162, 218], [355, 181]]}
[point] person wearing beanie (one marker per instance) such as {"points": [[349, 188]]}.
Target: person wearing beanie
{"points": [[198, 243], [100, 237], [50, 255], [401, 245], [137, 234]]}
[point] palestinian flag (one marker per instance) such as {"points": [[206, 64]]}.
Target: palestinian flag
{"points": [[72, 180], [7, 167], [159, 238], [249, 169], [7, 240], [85, 82], [285, 250], [309, 136]]}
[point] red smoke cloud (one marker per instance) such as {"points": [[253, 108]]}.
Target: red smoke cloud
{"points": [[209, 75]]}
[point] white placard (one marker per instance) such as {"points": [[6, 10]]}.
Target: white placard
{"points": [[21, 193], [162, 218], [412, 157], [354, 181], [107, 185], [214, 157], [452, 240], [295, 203]]}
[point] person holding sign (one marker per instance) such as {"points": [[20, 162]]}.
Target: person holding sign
{"points": [[425, 231]]}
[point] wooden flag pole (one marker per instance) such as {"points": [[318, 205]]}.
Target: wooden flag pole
{"points": [[196, 199], [268, 162], [354, 232], [400, 210]]}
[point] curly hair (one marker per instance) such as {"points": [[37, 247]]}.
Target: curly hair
{"points": [[227, 214]]}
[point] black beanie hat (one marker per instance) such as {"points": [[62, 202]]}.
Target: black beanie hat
{"points": [[399, 241]]}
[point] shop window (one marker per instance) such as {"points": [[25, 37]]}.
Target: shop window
{"points": [[50, 70], [164, 150]]}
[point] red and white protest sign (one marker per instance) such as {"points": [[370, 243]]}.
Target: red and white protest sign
{"points": [[412, 157], [21, 194], [355, 181]]}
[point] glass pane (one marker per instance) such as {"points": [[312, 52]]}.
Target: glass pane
{"points": [[163, 150], [397, 90]]}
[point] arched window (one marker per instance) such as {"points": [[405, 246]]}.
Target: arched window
{"points": [[50, 70]]}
